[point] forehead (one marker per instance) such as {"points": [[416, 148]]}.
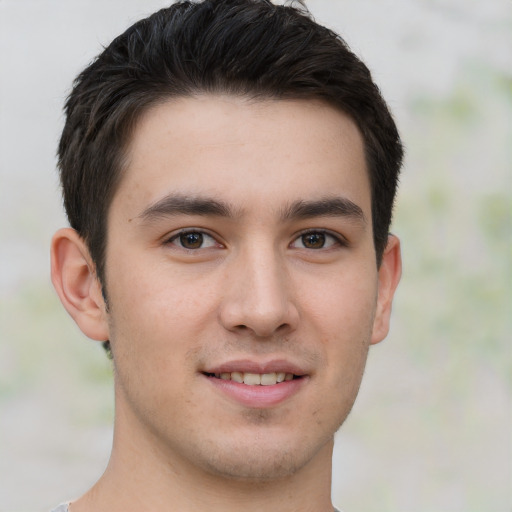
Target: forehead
{"points": [[245, 152]]}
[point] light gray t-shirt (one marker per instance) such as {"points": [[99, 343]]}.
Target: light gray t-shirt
{"points": [[61, 508]]}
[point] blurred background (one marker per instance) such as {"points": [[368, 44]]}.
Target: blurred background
{"points": [[432, 428]]}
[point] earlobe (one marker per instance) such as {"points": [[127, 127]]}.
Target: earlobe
{"points": [[77, 285], [389, 276]]}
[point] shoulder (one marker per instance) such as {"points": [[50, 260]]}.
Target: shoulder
{"points": [[61, 508]]}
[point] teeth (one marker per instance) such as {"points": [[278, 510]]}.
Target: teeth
{"points": [[256, 379], [237, 377], [268, 379], [252, 379]]}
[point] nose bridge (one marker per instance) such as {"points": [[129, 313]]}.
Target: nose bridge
{"points": [[258, 296]]}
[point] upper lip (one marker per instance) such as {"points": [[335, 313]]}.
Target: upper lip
{"points": [[251, 366]]}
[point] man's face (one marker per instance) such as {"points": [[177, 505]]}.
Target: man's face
{"points": [[240, 248]]}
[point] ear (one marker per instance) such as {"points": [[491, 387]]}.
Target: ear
{"points": [[74, 279], [389, 276]]}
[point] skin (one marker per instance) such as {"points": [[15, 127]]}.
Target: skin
{"points": [[271, 283]]}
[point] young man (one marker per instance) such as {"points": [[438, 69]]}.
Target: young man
{"points": [[229, 170]]}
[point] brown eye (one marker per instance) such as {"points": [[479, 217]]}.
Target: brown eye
{"points": [[191, 240], [316, 240], [313, 240]]}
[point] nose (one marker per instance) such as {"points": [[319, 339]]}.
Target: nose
{"points": [[258, 296]]}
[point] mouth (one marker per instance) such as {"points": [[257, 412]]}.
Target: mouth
{"points": [[255, 379], [254, 390], [257, 384]]}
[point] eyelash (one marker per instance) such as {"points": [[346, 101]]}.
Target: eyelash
{"points": [[338, 239], [186, 232]]}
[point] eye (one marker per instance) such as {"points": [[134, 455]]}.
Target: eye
{"points": [[192, 240], [316, 240]]}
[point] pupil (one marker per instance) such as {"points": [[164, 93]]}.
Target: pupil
{"points": [[314, 240], [191, 240]]}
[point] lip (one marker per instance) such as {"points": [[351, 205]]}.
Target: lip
{"points": [[257, 397]]}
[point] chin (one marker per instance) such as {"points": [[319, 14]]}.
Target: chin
{"points": [[258, 467], [265, 459]]}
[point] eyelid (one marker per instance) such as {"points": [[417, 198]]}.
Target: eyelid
{"points": [[171, 237], [174, 235], [338, 237]]}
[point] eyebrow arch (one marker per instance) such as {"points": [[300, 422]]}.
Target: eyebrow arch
{"points": [[327, 207], [177, 204]]}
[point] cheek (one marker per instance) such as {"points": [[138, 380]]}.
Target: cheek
{"points": [[342, 313], [158, 321], [153, 293], [343, 305], [153, 330]]}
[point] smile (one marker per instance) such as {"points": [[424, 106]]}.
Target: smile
{"points": [[254, 379], [257, 390]]}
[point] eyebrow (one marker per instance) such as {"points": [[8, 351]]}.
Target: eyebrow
{"points": [[328, 207], [176, 204]]}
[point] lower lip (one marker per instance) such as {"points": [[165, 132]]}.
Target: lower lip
{"points": [[258, 397]]}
